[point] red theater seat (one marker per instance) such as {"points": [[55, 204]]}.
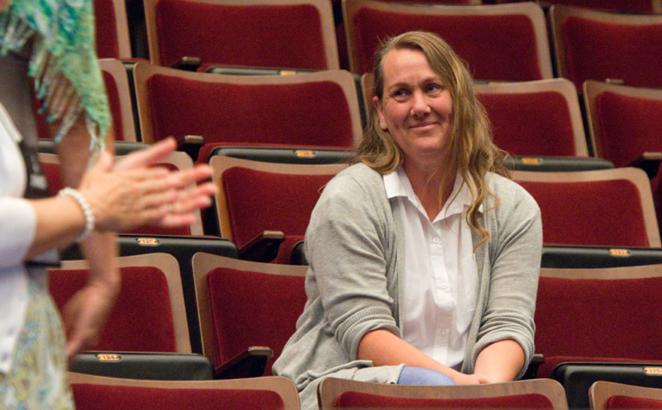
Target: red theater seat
{"points": [[149, 314], [609, 395], [255, 33], [598, 45], [535, 117], [603, 208], [246, 307], [336, 393], [256, 199], [572, 310], [624, 122], [499, 42], [110, 393], [112, 29], [318, 109]]}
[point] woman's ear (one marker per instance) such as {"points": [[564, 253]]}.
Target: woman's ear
{"points": [[377, 103]]}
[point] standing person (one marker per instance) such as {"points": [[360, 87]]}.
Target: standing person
{"points": [[424, 258], [50, 44]]}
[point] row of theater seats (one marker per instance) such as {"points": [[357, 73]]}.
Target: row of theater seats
{"points": [[532, 118], [276, 393], [591, 324], [264, 207], [505, 42]]}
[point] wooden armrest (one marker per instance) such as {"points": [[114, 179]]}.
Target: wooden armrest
{"points": [[249, 363], [187, 63], [532, 370], [649, 162], [263, 248]]}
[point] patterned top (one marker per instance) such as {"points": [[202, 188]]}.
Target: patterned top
{"points": [[64, 63]]}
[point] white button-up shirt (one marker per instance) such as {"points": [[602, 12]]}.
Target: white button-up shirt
{"points": [[440, 276]]}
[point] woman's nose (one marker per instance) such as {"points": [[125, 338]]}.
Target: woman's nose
{"points": [[419, 105]]}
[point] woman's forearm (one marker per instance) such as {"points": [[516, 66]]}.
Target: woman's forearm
{"points": [[385, 348], [500, 361]]}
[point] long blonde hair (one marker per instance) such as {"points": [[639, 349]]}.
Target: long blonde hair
{"points": [[471, 144]]}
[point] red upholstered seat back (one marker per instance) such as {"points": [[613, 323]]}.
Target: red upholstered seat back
{"points": [[142, 318], [590, 213], [246, 35], [498, 47], [599, 50], [53, 178], [629, 126], [642, 6], [303, 114], [107, 41], [366, 400], [626, 402], [253, 309], [101, 397], [530, 123], [259, 201], [599, 318]]}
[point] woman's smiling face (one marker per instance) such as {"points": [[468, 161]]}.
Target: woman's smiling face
{"points": [[416, 107]]}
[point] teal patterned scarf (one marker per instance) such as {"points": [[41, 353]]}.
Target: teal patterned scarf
{"points": [[64, 64]]}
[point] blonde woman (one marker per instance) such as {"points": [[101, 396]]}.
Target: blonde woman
{"points": [[423, 255]]}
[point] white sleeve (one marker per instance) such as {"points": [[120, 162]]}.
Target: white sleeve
{"points": [[17, 227]]}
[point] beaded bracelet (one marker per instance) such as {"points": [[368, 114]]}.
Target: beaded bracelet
{"points": [[85, 207]]}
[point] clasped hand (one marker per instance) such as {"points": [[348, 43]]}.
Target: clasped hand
{"points": [[131, 193]]}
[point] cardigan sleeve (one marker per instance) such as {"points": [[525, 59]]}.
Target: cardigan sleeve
{"points": [[346, 245], [515, 253]]}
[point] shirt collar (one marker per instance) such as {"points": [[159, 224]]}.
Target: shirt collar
{"points": [[397, 184]]}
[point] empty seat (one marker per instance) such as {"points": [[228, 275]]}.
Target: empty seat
{"points": [[499, 42], [101, 393], [610, 395], [261, 33], [598, 315], [315, 110], [182, 248], [535, 118], [112, 29], [625, 123], [258, 203], [149, 314], [606, 208], [598, 45], [243, 305], [336, 393]]}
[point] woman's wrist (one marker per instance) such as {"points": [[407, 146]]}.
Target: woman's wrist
{"points": [[85, 208]]}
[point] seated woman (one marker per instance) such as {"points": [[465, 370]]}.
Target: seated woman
{"points": [[424, 257]]}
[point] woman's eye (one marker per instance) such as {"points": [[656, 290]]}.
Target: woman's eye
{"points": [[434, 87], [400, 94]]}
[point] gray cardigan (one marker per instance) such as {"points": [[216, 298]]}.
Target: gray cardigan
{"points": [[352, 244]]}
